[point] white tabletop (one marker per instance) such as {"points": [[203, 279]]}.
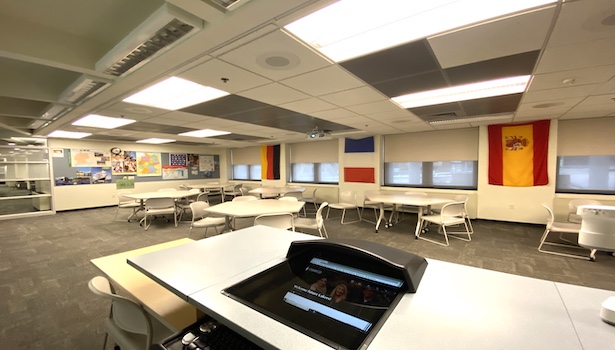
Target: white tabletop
{"points": [[406, 199], [276, 190], [206, 185], [256, 207], [196, 266], [455, 307], [160, 194]]}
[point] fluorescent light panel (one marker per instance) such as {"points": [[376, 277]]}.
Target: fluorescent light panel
{"points": [[352, 28], [471, 120], [175, 93], [498, 87], [101, 121], [155, 141], [69, 134], [204, 133]]}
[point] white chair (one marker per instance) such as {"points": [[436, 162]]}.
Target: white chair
{"points": [[573, 204], [464, 198], [159, 206], [245, 198], [127, 203], [201, 218], [184, 204], [129, 325], [561, 228], [317, 223], [348, 200], [203, 197], [284, 221], [375, 206], [233, 192], [311, 199], [298, 195], [450, 215]]}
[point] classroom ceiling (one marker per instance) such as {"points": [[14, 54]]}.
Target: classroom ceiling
{"points": [[57, 65]]}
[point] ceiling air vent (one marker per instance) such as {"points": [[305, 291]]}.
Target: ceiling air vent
{"points": [[444, 115], [166, 26], [83, 88], [229, 5]]}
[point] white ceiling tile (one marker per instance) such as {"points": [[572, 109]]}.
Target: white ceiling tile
{"points": [[308, 105], [376, 107], [510, 36], [528, 111], [274, 94], [558, 94], [262, 55], [579, 22], [353, 97], [132, 110], [334, 114], [211, 73], [399, 114], [324, 81], [592, 75], [582, 55]]}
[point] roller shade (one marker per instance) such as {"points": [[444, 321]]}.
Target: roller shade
{"points": [[248, 155], [445, 145], [314, 152], [587, 137]]}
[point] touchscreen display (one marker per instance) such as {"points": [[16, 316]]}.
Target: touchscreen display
{"points": [[336, 303]]}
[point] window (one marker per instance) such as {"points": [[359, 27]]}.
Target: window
{"points": [[315, 162], [315, 172], [451, 174], [585, 174], [247, 172], [246, 163]]}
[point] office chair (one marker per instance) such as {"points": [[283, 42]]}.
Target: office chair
{"points": [[200, 218], [297, 195], [317, 223], [450, 215], [311, 199], [128, 324], [184, 204], [159, 206], [284, 221], [561, 228], [348, 200], [127, 203], [234, 192], [375, 206]]}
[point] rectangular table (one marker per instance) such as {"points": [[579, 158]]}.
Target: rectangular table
{"points": [[245, 209], [168, 308], [455, 307], [423, 202]]}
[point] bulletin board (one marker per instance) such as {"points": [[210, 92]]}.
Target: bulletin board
{"points": [[87, 167]]}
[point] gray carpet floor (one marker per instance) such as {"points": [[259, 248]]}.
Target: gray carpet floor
{"points": [[45, 266]]}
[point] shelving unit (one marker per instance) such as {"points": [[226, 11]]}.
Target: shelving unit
{"points": [[25, 180]]}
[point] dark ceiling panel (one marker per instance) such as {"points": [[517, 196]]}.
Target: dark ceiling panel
{"points": [[404, 60], [238, 137], [224, 106], [492, 105], [520, 64], [150, 127], [407, 85]]}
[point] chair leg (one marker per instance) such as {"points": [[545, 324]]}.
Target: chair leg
{"points": [[419, 236], [323, 230], [544, 242]]}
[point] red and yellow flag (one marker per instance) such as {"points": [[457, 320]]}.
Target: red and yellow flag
{"points": [[518, 154]]}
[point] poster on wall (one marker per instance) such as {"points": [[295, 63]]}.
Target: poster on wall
{"points": [[178, 159], [86, 176], [89, 158], [148, 164], [170, 172], [124, 163], [126, 182], [206, 163]]}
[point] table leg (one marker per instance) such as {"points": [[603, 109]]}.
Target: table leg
{"points": [[141, 208], [380, 217], [418, 223]]}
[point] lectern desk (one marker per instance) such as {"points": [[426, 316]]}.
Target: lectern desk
{"points": [[455, 306]]}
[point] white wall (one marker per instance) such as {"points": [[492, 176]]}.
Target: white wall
{"points": [[502, 203]]}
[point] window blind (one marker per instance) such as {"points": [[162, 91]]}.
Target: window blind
{"points": [[314, 152], [587, 137], [248, 155], [433, 146]]}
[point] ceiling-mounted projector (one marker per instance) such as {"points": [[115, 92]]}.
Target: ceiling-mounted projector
{"points": [[318, 134]]}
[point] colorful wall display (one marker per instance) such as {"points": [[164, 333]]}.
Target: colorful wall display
{"points": [[149, 164]]}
